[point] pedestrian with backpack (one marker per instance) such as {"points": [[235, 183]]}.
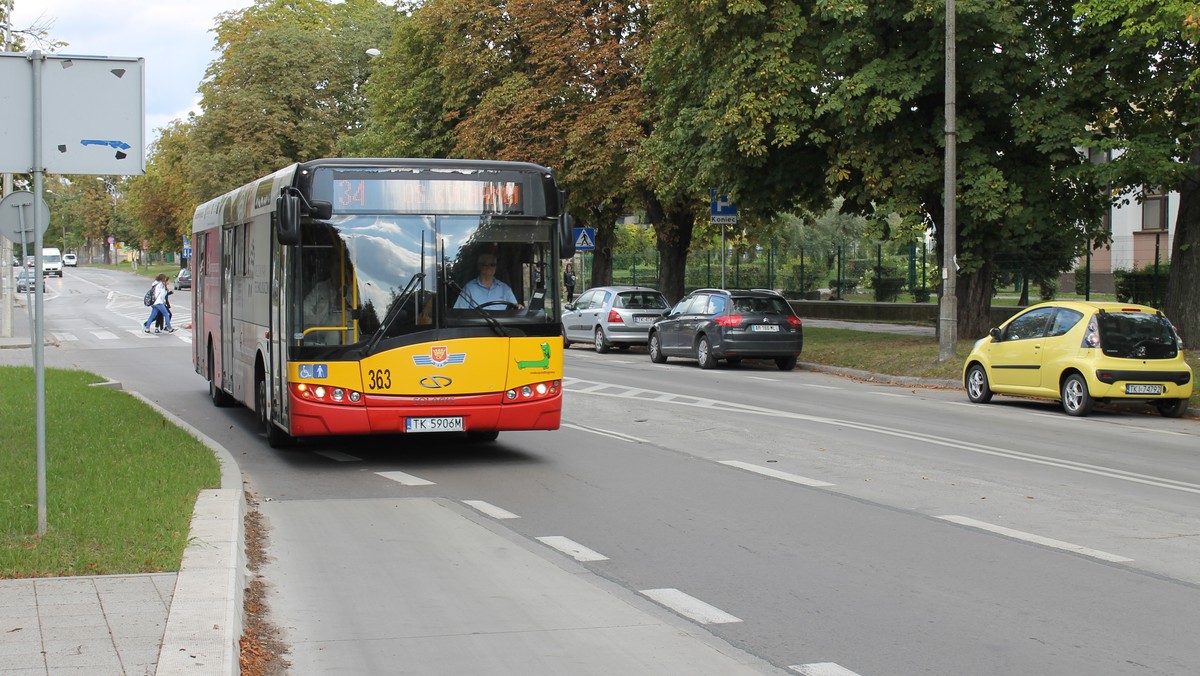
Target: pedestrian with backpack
{"points": [[158, 292], [158, 323]]}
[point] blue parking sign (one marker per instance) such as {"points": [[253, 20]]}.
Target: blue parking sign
{"points": [[722, 209]]}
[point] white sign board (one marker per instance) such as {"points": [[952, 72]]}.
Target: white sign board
{"points": [[92, 112]]}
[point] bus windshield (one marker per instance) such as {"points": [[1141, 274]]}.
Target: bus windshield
{"points": [[351, 271]]}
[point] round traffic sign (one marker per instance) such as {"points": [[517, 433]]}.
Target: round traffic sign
{"points": [[16, 217]]}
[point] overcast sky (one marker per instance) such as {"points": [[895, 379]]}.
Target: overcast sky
{"points": [[173, 36]]}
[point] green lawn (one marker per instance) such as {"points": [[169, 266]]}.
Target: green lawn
{"points": [[121, 481]]}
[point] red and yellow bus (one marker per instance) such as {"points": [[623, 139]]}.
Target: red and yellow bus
{"points": [[327, 298]]}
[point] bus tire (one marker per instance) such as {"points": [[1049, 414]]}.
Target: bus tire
{"points": [[482, 436], [219, 398], [276, 437]]}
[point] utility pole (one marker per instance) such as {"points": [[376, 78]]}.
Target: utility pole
{"points": [[948, 316]]}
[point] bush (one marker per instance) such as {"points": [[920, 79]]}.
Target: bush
{"points": [[887, 289], [1139, 286]]}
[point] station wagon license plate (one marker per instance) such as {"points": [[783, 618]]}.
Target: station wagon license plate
{"points": [[765, 328], [1137, 388], [445, 424]]}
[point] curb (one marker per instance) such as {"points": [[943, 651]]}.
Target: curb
{"points": [[204, 623], [871, 377]]}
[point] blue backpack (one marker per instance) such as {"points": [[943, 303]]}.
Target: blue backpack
{"points": [[148, 299]]}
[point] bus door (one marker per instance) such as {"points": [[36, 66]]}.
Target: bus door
{"points": [[279, 338], [225, 338]]}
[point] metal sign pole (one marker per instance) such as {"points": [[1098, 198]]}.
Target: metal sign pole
{"points": [[36, 330]]}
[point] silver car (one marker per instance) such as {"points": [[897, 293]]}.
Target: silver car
{"points": [[612, 316]]}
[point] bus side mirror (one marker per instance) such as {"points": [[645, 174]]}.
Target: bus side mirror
{"points": [[566, 236], [320, 210], [288, 208]]}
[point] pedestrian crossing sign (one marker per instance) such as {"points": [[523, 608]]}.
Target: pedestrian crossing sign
{"points": [[585, 239]]}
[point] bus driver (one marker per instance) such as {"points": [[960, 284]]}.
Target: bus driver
{"points": [[486, 288]]}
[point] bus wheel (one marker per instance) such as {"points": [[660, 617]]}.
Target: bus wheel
{"points": [[219, 398], [276, 437], [480, 436]]}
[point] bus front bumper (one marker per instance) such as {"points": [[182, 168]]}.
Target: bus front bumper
{"points": [[388, 415]]}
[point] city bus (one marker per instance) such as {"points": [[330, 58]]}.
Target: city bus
{"points": [[327, 298]]}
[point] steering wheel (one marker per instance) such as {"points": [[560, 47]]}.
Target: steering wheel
{"points": [[505, 305]]}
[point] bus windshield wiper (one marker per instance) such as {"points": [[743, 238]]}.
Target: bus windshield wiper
{"points": [[496, 326], [394, 312]]}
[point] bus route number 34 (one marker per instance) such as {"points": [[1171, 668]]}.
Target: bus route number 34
{"points": [[379, 379]]}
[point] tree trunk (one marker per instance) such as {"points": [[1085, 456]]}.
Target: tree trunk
{"points": [[1181, 303], [975, 291], [605, 221], [672, 239]]}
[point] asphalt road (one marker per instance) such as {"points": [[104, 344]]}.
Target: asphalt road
{"points": [[885, 530]]}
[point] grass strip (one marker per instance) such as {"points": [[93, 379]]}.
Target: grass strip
{"points": [[121, 480]]}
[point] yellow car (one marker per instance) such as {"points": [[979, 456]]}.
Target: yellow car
{"points": [[1082, 352]]}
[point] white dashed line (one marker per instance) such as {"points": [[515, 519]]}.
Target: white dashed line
{"points": [[1037, 539], [405, 479], [822, 669], [490, 509], [767, 471], [689, 606], [571, 548]]}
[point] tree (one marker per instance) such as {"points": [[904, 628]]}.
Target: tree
{"points": [[529, 80], [160, 200], [803, 101], [1152, 112], [285, 89]]}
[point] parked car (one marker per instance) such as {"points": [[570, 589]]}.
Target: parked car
{"points": [[25, 282], [1080, 353], [612, 316], [70, 260], [712, 324], [184, 279]]}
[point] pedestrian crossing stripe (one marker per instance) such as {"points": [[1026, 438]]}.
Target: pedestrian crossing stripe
{"points": [[584, 241]]}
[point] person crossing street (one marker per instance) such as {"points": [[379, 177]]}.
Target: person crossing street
{"points": [[159, 290]]}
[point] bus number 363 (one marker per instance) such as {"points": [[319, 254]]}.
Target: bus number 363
{"points": [[380, 379]]}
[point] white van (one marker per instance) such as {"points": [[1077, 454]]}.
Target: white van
{"points": [[52, 262]]}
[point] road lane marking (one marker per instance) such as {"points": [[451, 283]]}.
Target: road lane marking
{"points": [[689, 606], [1029, 537], [338, 456], [405, 479], [620, 392], [490, 509], [767, 471], [64, 337], [605, 433], [822, 669], [571, 548]]}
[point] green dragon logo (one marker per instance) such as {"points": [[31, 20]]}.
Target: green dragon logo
{"points": [[543, 363]]}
